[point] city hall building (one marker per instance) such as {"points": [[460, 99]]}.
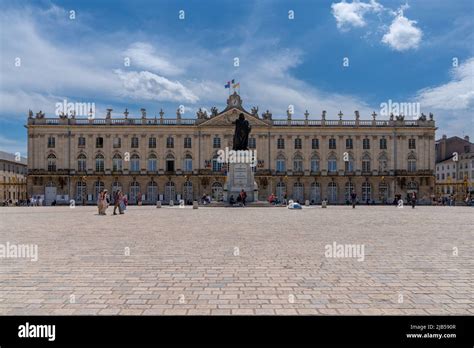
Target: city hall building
{"points": [[162, 158]]}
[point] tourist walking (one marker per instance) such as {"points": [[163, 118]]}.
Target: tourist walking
{"points": [[353, 199], [118, 197], [413, 200], [100, 202]]}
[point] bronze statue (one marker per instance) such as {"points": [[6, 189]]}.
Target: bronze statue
{"points": [[241, 134]]}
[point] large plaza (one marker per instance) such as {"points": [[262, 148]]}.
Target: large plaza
{"points": [[238, 261]]}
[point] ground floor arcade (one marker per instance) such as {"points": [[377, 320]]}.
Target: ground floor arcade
{"points": [[150, 189]]}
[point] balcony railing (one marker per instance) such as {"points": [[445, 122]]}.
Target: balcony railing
{"points": [[192, 122]]}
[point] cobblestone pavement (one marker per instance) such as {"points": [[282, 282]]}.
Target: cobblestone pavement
{"points": [[238, 261]]}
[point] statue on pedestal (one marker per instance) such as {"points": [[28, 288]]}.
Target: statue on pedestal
{"points": [[241, 134]]}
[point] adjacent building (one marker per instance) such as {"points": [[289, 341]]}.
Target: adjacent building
{"points": [[12, 178], [454, 167], [161, 158]]}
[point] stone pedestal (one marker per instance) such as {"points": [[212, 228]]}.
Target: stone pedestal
{"points": [[240, 176]]}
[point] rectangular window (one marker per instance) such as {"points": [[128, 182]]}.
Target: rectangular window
{"points": [[332, 144], [383, 144], [152, 143], [349, 144], [315, 144], [51, 142], [187, 143], [134, 144], [366, 144], [411, 144], [81, 142], [280, 143], [169, 142], [298, 144], [252, 143], [117, 143], [99, 142], [216, 144]]}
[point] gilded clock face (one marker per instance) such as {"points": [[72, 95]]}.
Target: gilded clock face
{"points": [[234, 100]]}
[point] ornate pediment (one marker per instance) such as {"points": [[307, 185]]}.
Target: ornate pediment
{"points": [[228, 116]]}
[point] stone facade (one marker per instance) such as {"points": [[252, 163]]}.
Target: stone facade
{"points": [[163, 158], [12, 177]]}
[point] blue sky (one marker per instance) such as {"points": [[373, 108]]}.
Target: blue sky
{"points": [[397, 50]]}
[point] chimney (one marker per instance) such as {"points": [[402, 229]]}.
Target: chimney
{"points": [[444, 136], [466, 138]]}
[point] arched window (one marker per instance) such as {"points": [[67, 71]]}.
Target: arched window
{"points": [[81, 191], [188, 192], [315, 192], [366, 163], [135, 163], [348, 189], [298, 192], [349, 163], [188, 163], [99, 163], [332, 163], [170, 163], [366, 192], [280, 190], [81, 163], [51, 163], [152, 163], [152, 192], [298, 163], [217, 191], [315, 163], [170, 191], [332, 192], [412, 162], [383, 163], [117, 163], [412, 186], [280, 163], [383, 192], [98, 186], [134, 192]]}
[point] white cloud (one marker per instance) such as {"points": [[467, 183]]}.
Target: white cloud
{"points": [[94, 69], [453, 102], [143, 55], [457, 94], [352, 14], [145, 85], [402, 34]]}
